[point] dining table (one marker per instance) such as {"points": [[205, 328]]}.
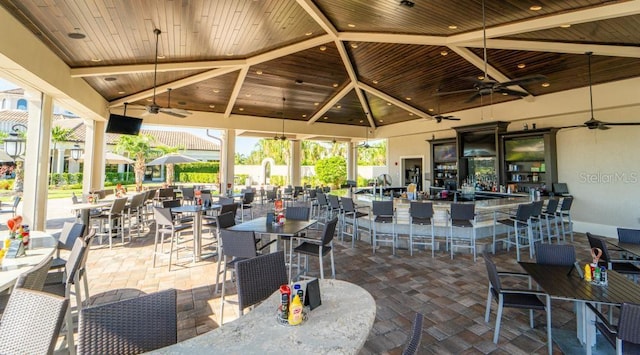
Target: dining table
{"points": [[340, 325], [85, 210], [565, 283], [197, 211], [41, 246], [631, 248]]}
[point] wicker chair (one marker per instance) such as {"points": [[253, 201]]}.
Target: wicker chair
{"points": [[416, 336], [624, 336], [624, 266], [514, 298], [68, 235], [555, 254], [259, 277], [33, 279], [31, 322], [129, 326], [236, 246]]}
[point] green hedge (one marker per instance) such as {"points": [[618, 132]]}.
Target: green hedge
{"points": [[203, 178], [205, 167]]}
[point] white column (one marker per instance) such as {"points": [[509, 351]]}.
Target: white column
{"points": [[352, 161], [36, 167], [59, 161], [94, 152], [294, 163], [227, 159]]}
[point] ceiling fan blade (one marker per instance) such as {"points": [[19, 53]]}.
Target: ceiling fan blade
{"points": [[451, 118], [473, 97], [518, 93], [574, 126], [525, 80], [454, 92], [621, 123], [172, 113]]}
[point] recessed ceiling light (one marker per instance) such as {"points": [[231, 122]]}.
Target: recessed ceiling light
{"points": [[408, 98], [325, 118], [388, 103], [121, 92], [481, 77], [521, 65], [212, 106], [247, 95], [323, 48], [546, 85], [339, 106], [216, 91], [453, 27], [351, 25], [535, 8], [380, 120], [361, 121], [375, 81], [259, 72], [316, 103], [335, 85], [161, 57], [241, 109], [299, 82], [110, 78], [149, 99], [354, 45], [76, 34], [95, 60], [410, 114], [443, 53], [504, 94], [430, 109], [229, 54], [565, 25], [303, 116], [308, 33]]}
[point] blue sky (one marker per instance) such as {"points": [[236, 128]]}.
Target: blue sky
{"points": [[243, 145]]}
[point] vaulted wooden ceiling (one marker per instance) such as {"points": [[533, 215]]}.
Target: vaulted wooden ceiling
{"points": [[352, 62]]}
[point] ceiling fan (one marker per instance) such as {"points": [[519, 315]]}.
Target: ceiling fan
{"points": [[366, 142], [593, 123], [486, 86], [154, 108], [440, 117], [282, 137]]}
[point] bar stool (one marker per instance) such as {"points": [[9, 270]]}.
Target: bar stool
{"points": [[383, 214], [550, 215], [521, 220], [565, 211], [421, 214], [349, 210], [463, 216]]}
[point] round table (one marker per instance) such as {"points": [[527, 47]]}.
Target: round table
{"points": [[41, 246]]}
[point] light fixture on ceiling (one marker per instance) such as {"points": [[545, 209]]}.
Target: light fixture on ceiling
{"points": [[76, 34], [282, 137], [407, 3]]}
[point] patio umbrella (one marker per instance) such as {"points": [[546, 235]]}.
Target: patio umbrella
{"points": [[113, 158], [172, 158]]}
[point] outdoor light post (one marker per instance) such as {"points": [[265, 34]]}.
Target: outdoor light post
{"points": [[15, 146], [76, 152]]}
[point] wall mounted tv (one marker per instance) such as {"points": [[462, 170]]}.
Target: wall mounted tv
{"points": [[479, 145], [123, 124], [444, 153], [525, 149]]}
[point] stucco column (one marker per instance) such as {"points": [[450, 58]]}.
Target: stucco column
{"points": [[36, 167], [60, 161], [352, 161], [294, 163], [227, 158], [94, 152]]}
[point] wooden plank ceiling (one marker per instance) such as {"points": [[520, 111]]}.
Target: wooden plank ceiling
{"points": [[334, 61]]}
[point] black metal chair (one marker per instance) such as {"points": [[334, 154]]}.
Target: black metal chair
{"points": [[630, 236], [113, 219], [517, 222], [294, 213], [322, 211], [623, 266], [565, 212], [223, 221], [67, 237], [416, 335], [318, 248], [350, 215], [31, 322], [555, 254], [247, 204], [130, 326], [421, 215], [383, 214], [550, 214], [188, 195], [462, 216], [257, 278], [624, 336], [166, 225], [14, 206], [236, 246], [514, 298]]}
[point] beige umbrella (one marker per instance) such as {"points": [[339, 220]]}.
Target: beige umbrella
{"points": [[172, 158], [113, 158]]}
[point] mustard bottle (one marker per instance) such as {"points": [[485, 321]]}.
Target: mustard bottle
{"points": [[587, 272], [295, 311]]}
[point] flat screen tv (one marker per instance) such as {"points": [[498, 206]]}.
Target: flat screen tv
{"points": [[444, 153], [525, 149], [123, 124], [479, 145]]}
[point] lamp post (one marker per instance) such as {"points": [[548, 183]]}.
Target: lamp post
{"points": [[76, 152], [14, 146]]}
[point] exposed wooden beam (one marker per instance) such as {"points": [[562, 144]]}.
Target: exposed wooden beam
{"points": [[284, 51], [236, 91], [393, 100], [329, 104], [393, 38], [558, 47], [148, 68], [318, 17]]}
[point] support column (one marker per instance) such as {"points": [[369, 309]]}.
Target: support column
{"points": [[60, 161], [352, 161], [294, 163], [36, 171], [227, 159], [94, 152]]}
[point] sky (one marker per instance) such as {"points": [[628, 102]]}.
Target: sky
{"points": [[244, 145]]}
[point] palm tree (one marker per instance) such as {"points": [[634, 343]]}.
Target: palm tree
{"points": [[58, 134], [139, 147]]}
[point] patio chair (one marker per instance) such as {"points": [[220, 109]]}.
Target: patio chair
{"points": [[416, 335], [223, 221], [555, 254], [14, 206], [318, 248], [33, 279], [113, 219], [165, 225], [188, 195], [247, 204], [631, 236], [350, 215], [130, 326], [66, 238], [134, 213], [257, 278], [462, 216], [514, 298], [421, 215], [383, 215], [550, 214], [31, 322], [624, 336], [565, 212], [518, 222]]}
